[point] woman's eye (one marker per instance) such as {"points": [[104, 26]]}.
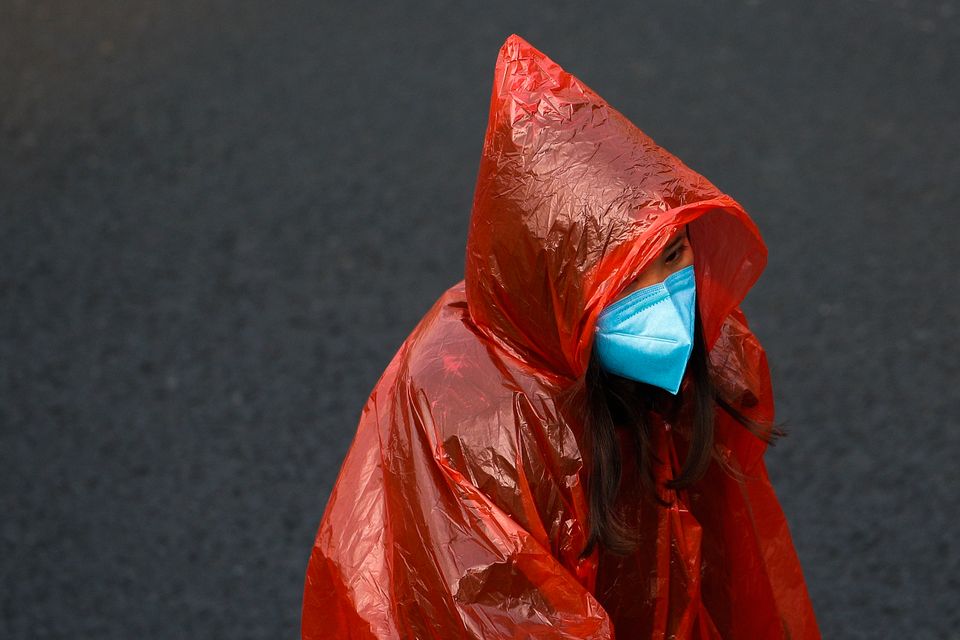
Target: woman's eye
{"points": [[675, 254]]}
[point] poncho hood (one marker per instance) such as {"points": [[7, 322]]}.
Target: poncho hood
{"points": [[571, 202], [460, 509]]}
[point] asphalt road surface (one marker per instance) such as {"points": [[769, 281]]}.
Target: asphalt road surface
{"points": [[219, 220]]}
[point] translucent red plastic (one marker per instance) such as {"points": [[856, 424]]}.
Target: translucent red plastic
{"points": [[460, 508]]}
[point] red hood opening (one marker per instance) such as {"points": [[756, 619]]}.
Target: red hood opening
{"points": [[572, 201]]}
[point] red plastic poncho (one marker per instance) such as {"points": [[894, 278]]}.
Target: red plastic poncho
{"points": [[460, 508]]}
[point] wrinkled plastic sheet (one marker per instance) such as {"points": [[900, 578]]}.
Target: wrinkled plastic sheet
{"points": [[460, 508]]}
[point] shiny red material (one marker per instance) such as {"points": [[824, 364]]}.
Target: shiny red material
{"points": [[460, 508]]}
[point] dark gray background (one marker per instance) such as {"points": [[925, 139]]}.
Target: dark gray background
{"points": [[219, 220]]}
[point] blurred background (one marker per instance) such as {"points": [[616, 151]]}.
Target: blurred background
{"points": [[219, 220]]}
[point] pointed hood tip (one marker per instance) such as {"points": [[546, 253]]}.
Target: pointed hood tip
{"points": [[526, 75], [516, 47], [515, 39]]}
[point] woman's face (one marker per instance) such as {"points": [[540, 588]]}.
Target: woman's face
{"points": [[677, 255]]}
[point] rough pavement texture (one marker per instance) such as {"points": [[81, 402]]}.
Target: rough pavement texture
{"points": [[218, 221]]}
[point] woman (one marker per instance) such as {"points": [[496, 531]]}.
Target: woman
{"points": [[570, 443]]}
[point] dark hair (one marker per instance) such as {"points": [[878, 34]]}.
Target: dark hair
{"points": [[609, 401]]}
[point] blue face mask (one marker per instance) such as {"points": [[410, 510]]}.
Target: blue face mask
{"points": [[648, 334]]}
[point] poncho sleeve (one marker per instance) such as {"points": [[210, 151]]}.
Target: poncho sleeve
{"points": [[410, 548]]}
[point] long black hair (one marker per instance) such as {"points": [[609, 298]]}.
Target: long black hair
{"points": [[609, 401]]}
